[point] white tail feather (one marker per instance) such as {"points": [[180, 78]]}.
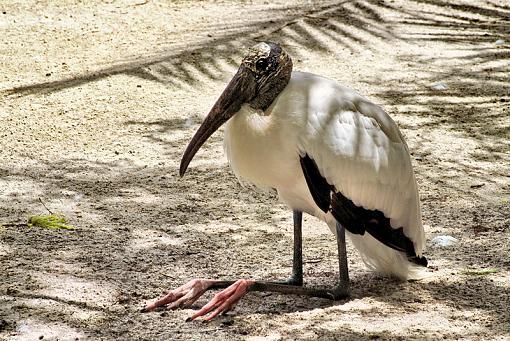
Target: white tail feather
{"points": [[382, 259]]}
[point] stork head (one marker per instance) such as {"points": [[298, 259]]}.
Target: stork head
{"points": [[263, 74]]}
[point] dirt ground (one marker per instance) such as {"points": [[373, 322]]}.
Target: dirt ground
{"points": [[99, 98]]}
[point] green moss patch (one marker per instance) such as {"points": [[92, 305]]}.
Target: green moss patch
{"points": [[479, 272], [50, 221]]}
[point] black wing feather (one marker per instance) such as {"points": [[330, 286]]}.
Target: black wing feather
{"points": [[356, 219], [319, 187]]}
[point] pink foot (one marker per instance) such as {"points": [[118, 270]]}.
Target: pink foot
{"points": [[183, 296], [224, 300]]}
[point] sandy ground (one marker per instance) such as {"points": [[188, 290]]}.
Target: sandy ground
{"points": [[98, 100]]}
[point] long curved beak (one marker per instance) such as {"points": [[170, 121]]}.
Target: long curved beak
{"points": [[240, 90]]}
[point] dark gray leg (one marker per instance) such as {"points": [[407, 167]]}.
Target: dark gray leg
{"points": [[340, 291], [223, 301], [297, 259]]}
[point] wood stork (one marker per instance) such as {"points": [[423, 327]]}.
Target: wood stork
{"points": [[328, 152]]}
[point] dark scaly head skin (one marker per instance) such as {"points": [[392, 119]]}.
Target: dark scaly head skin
{"points": [[262, 75], [272, 68]]}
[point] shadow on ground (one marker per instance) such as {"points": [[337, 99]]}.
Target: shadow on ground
{"points": [[140, 232]]}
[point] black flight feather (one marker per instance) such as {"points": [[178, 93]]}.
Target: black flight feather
{"points": [[356, 219]]}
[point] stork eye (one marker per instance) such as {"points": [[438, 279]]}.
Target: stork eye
{"points": [[261, 64]]}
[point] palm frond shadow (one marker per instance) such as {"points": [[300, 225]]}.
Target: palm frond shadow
{"points": [[347, 24], [476, 78], [329, 26]]}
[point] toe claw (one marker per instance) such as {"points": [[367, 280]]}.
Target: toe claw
{"points": [[181, 297]]}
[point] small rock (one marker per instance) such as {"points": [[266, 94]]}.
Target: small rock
{"points": [[440, 86], [477, 185], [3, 324], [188, 122], [227, 323], [444, 241]]}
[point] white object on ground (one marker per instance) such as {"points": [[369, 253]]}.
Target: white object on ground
{"points": [[439, 86], [444, 241], [188, 123]]}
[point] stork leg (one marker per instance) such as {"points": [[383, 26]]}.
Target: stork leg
{"points": [[297, 259], [342, 289], [223, 301], [226, 299], [339, 292]]}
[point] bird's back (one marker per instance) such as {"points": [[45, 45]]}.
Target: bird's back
{"points": [[357, 147]]}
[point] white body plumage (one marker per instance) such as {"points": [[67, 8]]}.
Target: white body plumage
{"points": [[357, 148]]}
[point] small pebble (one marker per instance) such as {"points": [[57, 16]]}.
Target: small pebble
{"points": [[188, 122], [227, 323], [477, 185], [439, 86], [3, 324], [444, 241]]}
